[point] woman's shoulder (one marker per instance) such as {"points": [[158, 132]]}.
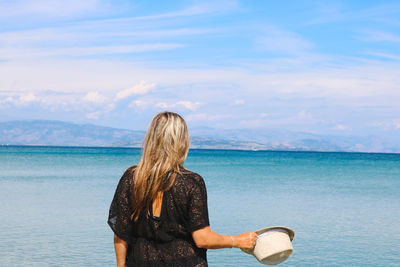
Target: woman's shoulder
{"points": [[127, 177], [191, 177], [130, 170]]}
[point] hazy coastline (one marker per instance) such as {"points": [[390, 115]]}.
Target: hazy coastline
{"points": [[64, 134]]}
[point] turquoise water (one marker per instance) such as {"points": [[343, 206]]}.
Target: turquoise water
{"points": [[343, 207]]}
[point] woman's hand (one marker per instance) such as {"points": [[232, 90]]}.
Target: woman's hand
{"points": [[245, 240]]}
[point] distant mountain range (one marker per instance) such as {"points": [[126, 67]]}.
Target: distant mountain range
{"points": [[58, 133]]}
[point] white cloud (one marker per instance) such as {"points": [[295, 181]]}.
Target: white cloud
{"points": [[340, 127], [9, 100], [396, 123], [141, 88], [255, 123], [95, 97], [101, 111], [164, 105], [110, 107], [186, 104], [138, 104], [142, 104], [238, 102], [30, 97], [20, 99], [373, 79], [304, 116], [74, 76], [93, 115], [392, 124]]}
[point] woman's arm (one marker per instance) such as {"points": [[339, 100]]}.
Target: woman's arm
{"points": [[206, 238], [120, 246]]}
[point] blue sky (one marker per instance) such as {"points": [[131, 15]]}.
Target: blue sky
{"points": [[328, 67]]}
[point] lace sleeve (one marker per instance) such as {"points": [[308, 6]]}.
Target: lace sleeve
{"points": [[198, 210], [119, 218]]}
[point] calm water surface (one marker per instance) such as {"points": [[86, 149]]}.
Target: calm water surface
{"points": [[343, 207]]}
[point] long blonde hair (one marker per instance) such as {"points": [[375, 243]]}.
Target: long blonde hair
{"points": [[164, 150]]}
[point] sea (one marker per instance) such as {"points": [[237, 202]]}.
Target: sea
{"points": [[343, 207]]}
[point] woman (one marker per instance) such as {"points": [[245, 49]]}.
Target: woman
{"points": [[159, 213]]}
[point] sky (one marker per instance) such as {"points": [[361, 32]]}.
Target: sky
{"points": [[325, 67]]}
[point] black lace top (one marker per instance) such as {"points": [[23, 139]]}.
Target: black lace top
{"points": [[164, 240]]}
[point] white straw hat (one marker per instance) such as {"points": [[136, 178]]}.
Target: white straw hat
{"points": [[274, 245]]}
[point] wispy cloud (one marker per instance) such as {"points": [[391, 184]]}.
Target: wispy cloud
{"points": [[139, 104], [93, 115], [340, 127], [23, 99], [51, 8], [137, 89], [303, 117], [12, 53], [95, 97], [393, 124], [238, 102], [329, 12], [279, 41], [383, 55], [379, 36], [185, 104], [343, 81], [98, 36], [204, 117], [30, 97], [193, 10], [67, 35]]}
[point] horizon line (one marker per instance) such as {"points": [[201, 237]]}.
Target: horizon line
{"points": [[211, 149]]}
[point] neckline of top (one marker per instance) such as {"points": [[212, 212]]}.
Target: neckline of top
{"points": [[158, 218]]}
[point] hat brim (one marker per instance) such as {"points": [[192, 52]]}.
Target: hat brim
{"points": [[259, 232]]}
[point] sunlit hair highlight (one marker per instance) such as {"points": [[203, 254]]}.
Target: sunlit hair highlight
{"points": [[164, 151]]}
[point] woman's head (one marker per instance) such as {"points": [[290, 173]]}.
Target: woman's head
{"points": [[164, 150], [167, 139]]}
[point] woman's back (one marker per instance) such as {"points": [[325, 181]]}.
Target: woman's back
{"points": [[165, 240]]}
